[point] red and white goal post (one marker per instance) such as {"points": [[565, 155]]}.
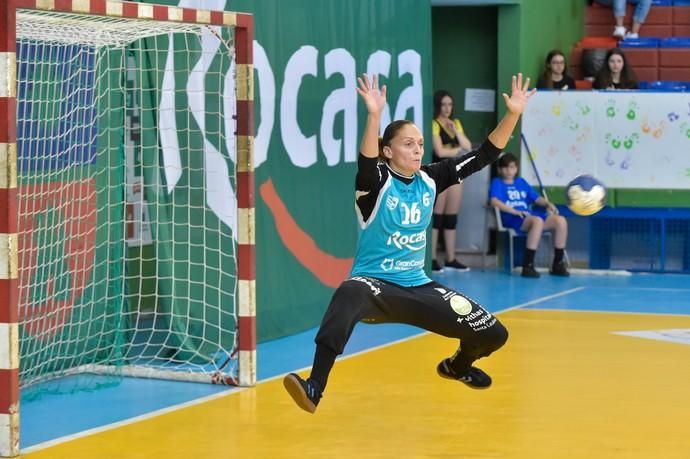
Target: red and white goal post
{"points": [[126, 196]]}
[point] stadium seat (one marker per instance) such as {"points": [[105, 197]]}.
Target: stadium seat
{"points": [[679, 86], [678, 74], [583, 85], [642, 42], [675, 42], [681, 19]]}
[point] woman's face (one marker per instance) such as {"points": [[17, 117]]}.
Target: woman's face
{"points": [[557, 64], [616, 63], [446, 106], [406, 150]]}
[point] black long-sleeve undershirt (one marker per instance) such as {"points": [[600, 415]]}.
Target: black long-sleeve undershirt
{"points": [[372, 174]]}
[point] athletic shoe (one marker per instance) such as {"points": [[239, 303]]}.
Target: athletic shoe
{"points": [[559, 269], [456, 265], [435, 267], [304, 393], [619, 32], [474, 377], [529, 271], [631, 36]]}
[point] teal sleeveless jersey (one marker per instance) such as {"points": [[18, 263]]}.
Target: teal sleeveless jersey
{"points": [[392, 243]]}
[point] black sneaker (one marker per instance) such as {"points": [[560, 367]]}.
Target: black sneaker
{"points": [[474, 377], [559, 269], [435, 267], [456, 265], [529, 271], [304, 393]]}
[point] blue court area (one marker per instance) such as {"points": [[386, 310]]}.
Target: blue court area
{"points": [[56, 416]]}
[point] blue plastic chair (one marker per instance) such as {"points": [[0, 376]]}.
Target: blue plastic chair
{"points": [[675, 42], [673, 86], [642, 42]]}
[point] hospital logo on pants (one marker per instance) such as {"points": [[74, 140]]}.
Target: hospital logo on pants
{"points": [[460, 305]]}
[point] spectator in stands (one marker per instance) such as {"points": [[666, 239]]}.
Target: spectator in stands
{"points": [[641, 10], [616, 73], [555, 74], [448, 140]]}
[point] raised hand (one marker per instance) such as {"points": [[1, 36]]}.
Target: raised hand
{"points": [[519, 96], [374, 99]]}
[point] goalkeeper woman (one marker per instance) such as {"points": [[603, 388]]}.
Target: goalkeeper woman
{"points": [[394, 202]]}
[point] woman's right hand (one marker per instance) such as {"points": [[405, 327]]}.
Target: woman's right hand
{"points": [[450, 127], [374, 99]]}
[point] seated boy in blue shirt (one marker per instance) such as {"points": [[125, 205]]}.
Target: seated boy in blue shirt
{"points": [[513, 196]]}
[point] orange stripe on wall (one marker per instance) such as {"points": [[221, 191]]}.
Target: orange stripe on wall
{"points": [[328, 269]]}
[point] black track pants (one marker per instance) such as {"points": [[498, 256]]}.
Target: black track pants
{"points": [[433, 307]]}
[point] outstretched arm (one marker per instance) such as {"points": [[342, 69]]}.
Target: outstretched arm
{"points": [[516, 104], [374, 99]]}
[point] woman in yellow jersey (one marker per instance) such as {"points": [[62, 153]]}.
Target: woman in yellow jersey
{"points": [[448, 140]]}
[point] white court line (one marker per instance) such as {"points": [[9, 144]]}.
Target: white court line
{"points": [[605, 311], [585, 271], [649, 289], [544, 298], [169, 409]]}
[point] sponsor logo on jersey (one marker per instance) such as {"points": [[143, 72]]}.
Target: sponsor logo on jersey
{"points": [[413, 242], [387, 264], [392, 202]]}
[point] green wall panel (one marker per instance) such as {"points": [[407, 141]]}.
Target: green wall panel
{"points": [[318, 194], [464, 56]]}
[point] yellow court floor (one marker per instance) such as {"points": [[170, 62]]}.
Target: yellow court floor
{"points": [[565, 386]]}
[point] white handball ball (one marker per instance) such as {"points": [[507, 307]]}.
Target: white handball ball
{"points": [[586, 195]]}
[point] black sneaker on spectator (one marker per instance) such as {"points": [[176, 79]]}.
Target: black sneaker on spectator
{"points": [[473, 377], [529, 271], [560, 269], [435, 267], [456, 265]]}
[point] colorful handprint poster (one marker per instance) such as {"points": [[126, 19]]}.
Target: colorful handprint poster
{"points": [[626, 139]]}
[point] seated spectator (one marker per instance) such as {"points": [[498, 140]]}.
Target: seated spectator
{"points": [[616, 73], [513, 196], [641, 10], [555, 74]]}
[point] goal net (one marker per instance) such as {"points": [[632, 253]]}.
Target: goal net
{"points": [[127, 199]]}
